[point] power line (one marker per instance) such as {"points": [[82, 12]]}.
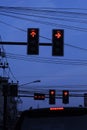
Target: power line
{"points": [[10, 25], [4, 51], [40, 36], [43, 37], [42, 9], [77, 47], [46, 11], [47, 17], [58, 93], [48, 60], [47, 23]]}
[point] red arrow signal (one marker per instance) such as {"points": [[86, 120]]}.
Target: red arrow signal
{"points": [[58, 34], [33, 33]]}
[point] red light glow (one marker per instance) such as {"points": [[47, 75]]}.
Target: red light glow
{"points": [[35, 96], [56, 108], [58, 34], [65, 93], [33, 33], [52, 92]]}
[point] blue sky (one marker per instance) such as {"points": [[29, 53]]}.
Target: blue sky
{"points": [[49, 74]]}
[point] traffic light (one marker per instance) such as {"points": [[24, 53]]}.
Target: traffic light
{"points": [[85, 99], [10, 90], [65, 96], [57, 42], [39, 96], [13, 90], [51, 96], [33, 41]]}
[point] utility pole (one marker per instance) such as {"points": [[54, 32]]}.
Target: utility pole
{"points": [[5, 113], [8, 90], [5, 93], [4, 83]]}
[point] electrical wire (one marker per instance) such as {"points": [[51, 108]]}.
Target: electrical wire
{"points": [[48, 60], [42, 9], [47, 23], [47, 17], [35, 11], [51, 11], [17, 12], [57, 97], [41, 36], [58, 93], [4, 51]]}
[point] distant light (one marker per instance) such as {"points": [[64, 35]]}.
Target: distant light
{"points": [[52, 96], [65, 96], [65, 93], [56, 108], [39, 96], [52, 92]]}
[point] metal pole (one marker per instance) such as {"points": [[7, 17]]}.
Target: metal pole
{"points": [[5, 113], [36, 81]]}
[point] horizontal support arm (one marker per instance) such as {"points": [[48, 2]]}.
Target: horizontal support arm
{"points": [[23, 43]]}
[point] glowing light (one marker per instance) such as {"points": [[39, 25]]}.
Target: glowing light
{"points": [[56, 108], [58, 34], [36, 96], [39, 96], [65, 93], [33, 33], [52, 92]]}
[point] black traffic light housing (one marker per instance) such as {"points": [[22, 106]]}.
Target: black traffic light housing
{"points": [[13, 89], [33, 41], [10, 90], [51, 96], [57, 42], [65, 96], [39, 96]]}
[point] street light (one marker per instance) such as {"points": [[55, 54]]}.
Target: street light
{"points": [[36, 81]]}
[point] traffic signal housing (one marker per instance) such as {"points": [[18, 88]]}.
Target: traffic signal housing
{"points": [[13, 89], [57, 42], [33, 41], [10, 90], [51, 96], [39, 96], [65, 96]]}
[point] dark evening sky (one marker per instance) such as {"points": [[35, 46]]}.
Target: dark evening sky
{"points": [[69, 70]]}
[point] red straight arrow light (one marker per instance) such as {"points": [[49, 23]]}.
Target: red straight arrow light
{"points": [[33, 33]]}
